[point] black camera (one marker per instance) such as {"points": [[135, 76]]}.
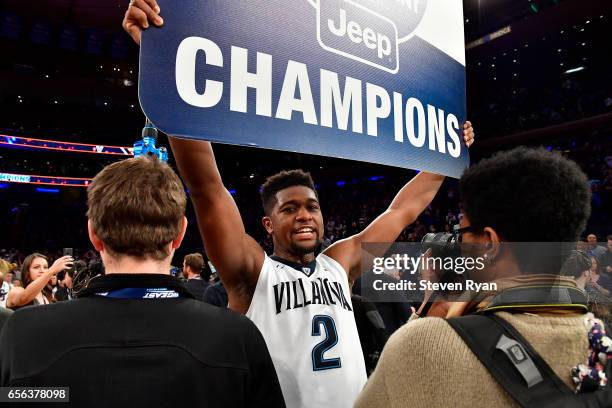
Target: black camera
{"points": [[442, 244]]}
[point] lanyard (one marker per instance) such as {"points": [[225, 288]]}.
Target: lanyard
{"points": [[141, 293]]}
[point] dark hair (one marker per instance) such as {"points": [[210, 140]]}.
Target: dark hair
{"points": [[527, 195], [47, 291], [280, 181], [609, 238], [79, 267], [575, 264], [136, 206], [594, 258]]}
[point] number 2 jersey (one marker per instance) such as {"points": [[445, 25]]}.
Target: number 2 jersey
{"points": [[306, 317]]}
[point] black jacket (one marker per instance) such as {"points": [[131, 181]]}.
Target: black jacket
{"points": [[216, 295], [117, 352], [4, 315], [197, 287], [62, 294]]}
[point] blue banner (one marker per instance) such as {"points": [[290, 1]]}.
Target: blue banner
{"points": [[376, 81]]}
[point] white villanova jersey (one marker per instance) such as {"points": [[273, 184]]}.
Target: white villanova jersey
{"points": [[306, 317]]}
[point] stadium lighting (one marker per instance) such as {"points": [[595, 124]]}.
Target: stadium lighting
{"points": [[571, 71], [31, 143], [47, 190]]}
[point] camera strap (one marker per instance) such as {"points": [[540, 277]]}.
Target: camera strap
{"points": [[538, 296], [512, 361]]}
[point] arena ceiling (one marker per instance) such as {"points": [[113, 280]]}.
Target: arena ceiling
{"points": [[481, 15]]}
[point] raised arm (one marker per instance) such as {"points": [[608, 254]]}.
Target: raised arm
{"points": [[236, 255], [405, 208], [22, 296]]}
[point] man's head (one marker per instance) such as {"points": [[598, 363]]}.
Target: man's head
{"points": [[609, 245], [292, 212], [592, 240], [136, 209], [192, 265], [524, 195]]}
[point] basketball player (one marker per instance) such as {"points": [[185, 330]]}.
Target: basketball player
{"points": [[300, 303]]}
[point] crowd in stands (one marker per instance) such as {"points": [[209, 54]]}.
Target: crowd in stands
{"points": [[203, 281], [548, 79]]}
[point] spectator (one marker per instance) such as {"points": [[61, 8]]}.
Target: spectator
{"points": [[426, 363], [53, 284], [129, 339], [393, 306], [601, 283], [8, 279], [371, 329], [192, 268], [36, 276], [597, 288], [216, 295], [593, 249], [606, 258], [4, 290]]}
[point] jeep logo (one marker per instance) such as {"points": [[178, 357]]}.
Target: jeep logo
{"points": [[372, 40], [353, 31]]}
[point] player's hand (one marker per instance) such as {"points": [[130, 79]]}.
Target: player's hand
{"points": [[61, 264], [468, 133], [139, 15]]}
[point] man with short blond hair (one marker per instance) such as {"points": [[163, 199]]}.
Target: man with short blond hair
{"points": [[135, 336]]}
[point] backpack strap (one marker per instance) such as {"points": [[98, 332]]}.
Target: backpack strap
{"points": [[516, 366]]}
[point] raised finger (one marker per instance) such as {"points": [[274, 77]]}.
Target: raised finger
{"points": [[148, 10], [153, 4]]}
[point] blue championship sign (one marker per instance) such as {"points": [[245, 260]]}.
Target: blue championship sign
{"points": [[381, 81]]}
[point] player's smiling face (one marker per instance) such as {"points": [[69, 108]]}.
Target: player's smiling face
{"points": [[296, 222]]}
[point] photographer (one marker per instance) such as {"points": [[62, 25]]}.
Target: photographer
{"points": [[429, 363]]}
